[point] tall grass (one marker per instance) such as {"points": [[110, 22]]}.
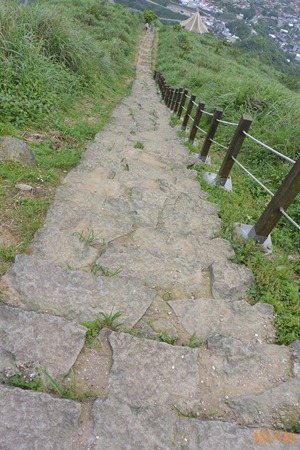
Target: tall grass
{"points": [[54, 51], [64, 65]]}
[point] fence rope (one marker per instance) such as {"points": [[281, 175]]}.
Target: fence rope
{"points": [[192, 118], [289, 218], [218, 143], [194, 103], [206, 112], [252, 176], [224, 122], [188, 96], [184, 108], [200, 129], [269, 148]]}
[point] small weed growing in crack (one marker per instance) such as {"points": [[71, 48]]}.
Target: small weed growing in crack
{"points": [[294, 427], [190, 414], [104, 320], [105, 271], [139, 144], [193, 342], [88, 236], [164, 337], [136, 333], [59, 388], [22, 382]]}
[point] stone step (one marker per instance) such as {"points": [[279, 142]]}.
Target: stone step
{"points": [[144, 428], [39, 341], [207, 317], [34, 420], [199, 381], [277, 407], [39, 285]]}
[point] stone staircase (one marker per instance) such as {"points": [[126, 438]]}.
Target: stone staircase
{"points": [[132, 209]]}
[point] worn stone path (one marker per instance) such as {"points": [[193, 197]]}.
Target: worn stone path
{"points": [[132, 208]]}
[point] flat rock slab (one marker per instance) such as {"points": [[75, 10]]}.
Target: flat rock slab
{"points": [[63, 249], [121, 426], [154, 268], [147, 373], [230, 281], [41, 286], [240, 366], [33, 420], [187, 216], [46, 341], [277, 407], [196, 434], [207, 317]]}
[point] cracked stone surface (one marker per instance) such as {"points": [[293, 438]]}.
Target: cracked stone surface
{"points": [[34, 420], [206, 317], [146, 372], [41, 286], [119, 425], [46, 341]]}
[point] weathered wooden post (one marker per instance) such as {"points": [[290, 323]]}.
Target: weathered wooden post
{"points": [[285, 195], [174, 99], [170, 97], [234, 148], [188, 112], [211, 133], [167, 94], [182, 103], [197, 119], [177, 101]]}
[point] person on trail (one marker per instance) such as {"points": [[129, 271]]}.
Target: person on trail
{"points": [[152, 27], [146, 26]]}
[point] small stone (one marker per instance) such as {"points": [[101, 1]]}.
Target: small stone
{"points": [[23, 187]]}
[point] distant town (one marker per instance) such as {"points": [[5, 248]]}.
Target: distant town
{"points": [[281, 19]]}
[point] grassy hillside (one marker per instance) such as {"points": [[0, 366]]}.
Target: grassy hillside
{"points": [[158, 7], [224, 76], [63, 67]]}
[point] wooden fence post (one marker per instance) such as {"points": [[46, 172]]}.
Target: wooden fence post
{"points": [[177, 101], [197, 119], [188, 112], [168, 89], [182, 103], [211, 133], [234, 148], [170, 97], [285, 195], [174, 99]]}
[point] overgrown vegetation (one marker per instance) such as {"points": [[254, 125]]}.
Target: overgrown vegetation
{"points": [[223, 76], [63, 67]]}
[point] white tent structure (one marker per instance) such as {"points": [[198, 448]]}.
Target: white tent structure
{"points": [[194, 23]]}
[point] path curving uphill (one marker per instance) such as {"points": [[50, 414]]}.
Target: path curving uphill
{"points": [[131, 210]]}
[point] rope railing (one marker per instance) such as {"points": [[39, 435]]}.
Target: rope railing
{"points": [[270, 148], [207, 113], [289, 218], [290, 187], [218, 143], [228, 123], [252, 176], [200, 129]]}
